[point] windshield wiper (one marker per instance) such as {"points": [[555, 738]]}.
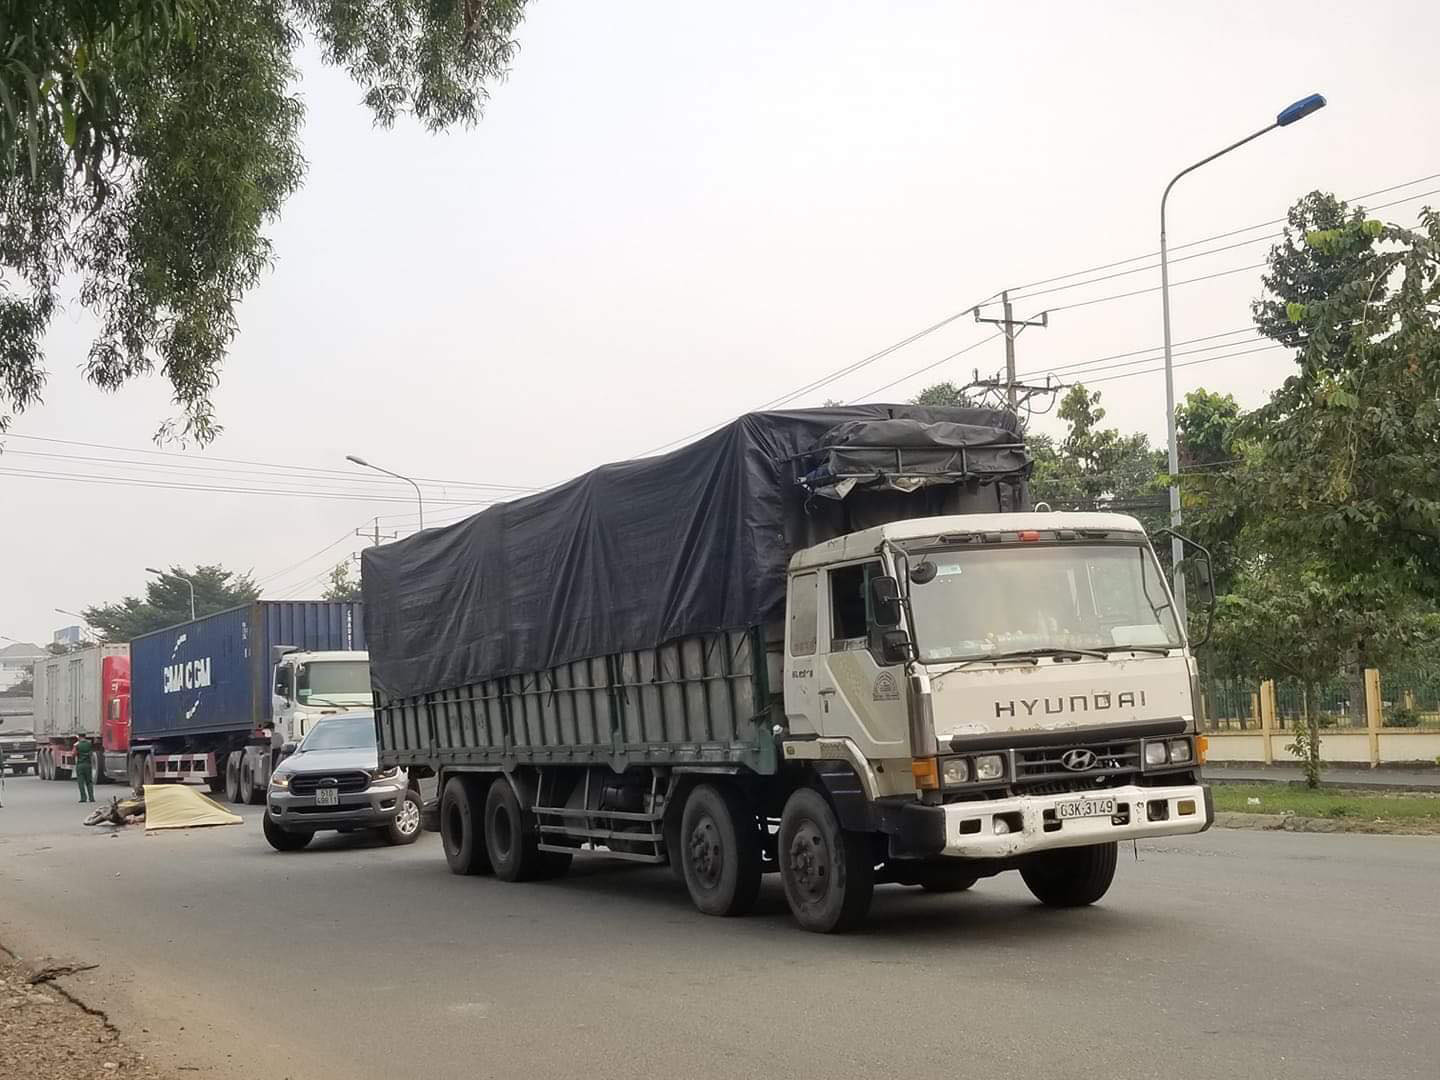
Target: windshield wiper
{"points": [[1033, 655], [324, 701], [1158, 650]]}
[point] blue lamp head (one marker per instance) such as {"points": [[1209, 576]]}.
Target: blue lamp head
{"points": [[1301, 109]]}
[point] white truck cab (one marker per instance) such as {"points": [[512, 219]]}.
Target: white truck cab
{"points": [[1023, 677], [309, 685]]}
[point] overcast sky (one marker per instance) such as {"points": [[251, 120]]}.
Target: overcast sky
{"points": [[675, 212]]}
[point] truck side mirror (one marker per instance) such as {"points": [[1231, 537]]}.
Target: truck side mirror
{"points": [[895, 647], [885, 602], [287, 749]]}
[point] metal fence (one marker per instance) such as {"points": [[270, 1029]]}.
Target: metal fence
{"points": [[1409, 698]]}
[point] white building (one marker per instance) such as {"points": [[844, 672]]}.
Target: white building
{"points": [[17, 662]]}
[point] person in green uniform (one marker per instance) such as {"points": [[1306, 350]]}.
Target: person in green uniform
{"points": [[85, 768]]}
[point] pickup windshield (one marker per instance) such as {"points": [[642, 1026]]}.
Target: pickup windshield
{"points": [[341, 733], [333, 682], [985, 601]]}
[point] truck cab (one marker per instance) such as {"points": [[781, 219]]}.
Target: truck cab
{"points": [[1015, 683], [307, 685]]}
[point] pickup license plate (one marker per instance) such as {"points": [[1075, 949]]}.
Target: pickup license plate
{"points": [[327, 796], [1085, 808]]}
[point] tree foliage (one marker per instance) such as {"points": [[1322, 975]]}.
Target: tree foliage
{"points": [[167, 602], [341, 584], [145, 146], [945, 393]]}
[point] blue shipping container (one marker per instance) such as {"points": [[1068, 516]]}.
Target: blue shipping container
{"points": [[213, 675]]}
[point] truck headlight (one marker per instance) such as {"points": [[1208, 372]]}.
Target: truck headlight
{"points": [[1155, 753], [280, 781], [989, 767], [955, 771], [1179, 751]]}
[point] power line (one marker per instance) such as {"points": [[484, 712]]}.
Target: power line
{"points": [[314, 471], [1188, 363], [825, 380], [1234, 232], [927, 367], [1137, 352], [94, 478]]}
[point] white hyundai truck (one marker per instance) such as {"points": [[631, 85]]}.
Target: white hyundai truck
{"points": [[832, 644]]}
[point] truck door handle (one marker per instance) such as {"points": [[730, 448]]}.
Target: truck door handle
{"points": [[827, 690]]}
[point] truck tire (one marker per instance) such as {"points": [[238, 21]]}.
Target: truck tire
{"points": [[461, 813], [828, 873], [283, 839], [42, 764], [405, 828], [510, 837], [147, 768], [232, 777], [719, 851], [251, 793], [1071, 877]]}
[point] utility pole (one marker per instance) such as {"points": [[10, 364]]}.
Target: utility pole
{"points": [[375, 535], [1012, 328]]}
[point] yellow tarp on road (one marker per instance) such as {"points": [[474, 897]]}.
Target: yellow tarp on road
{"points": [[177, 806]]}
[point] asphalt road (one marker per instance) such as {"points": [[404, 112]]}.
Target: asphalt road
{"points": [[1231, 954]]}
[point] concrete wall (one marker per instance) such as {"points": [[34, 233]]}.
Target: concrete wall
{"points": [[1395, 746]]}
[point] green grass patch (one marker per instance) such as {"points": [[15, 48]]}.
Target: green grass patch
{"points": [[1327, 802]]}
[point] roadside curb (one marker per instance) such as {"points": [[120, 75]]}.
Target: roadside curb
{"points": [[1232, 819]]}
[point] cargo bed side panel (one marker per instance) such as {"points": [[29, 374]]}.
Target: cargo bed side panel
{"points": [[701, 699]]}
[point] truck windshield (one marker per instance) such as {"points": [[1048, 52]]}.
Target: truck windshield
{"points": [[341, 733], [981, 602], [333, 682]]}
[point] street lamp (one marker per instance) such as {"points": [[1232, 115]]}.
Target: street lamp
{"points": [[1287, 116], [182, 577], [418, 497]]}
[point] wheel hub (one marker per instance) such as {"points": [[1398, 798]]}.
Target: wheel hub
{"points": [[706, 854], [810, 862]]}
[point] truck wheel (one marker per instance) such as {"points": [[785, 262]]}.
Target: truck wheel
{"points": [[283, 839], [251, 793], [461, 812], [405, 828], [828, 873], [510, 838], [147, 769], [232, 777], [719, 851], [42, 767], [1071, 877]]}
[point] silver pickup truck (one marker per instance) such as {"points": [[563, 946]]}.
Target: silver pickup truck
{"points": [[17, 751], [332, 781]]}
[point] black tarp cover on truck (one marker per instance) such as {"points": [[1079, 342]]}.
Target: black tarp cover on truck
{"points": [[634, 554]]}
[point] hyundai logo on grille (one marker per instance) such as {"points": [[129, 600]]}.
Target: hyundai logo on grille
{"points": [[1078, 760]]}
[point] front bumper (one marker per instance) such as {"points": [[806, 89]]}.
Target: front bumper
{"points": [[368, 809], [970, 828], [17, 757]]}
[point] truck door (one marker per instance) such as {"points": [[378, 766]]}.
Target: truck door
{"points": [[859, 699], [801, 638]]}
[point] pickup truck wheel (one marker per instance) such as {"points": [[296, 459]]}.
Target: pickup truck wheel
{"points": [[719, 851], [1071, 877], [232, 777], [405, 828], [828, 873], [461, 812], [283, 839], [510, 838]]}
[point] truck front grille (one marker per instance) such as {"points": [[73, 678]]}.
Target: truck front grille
{"points": [[1048, 764], [347, 783]]}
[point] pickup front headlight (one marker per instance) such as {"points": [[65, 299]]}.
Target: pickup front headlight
{"points": [[384, 774], [280, 781]]}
